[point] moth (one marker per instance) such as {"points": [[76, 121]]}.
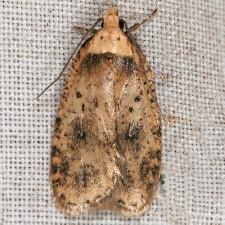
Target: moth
{"points": [[106, 147]]}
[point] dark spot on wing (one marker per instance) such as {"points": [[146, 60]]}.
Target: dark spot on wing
{"points": [[88, 202], [62, 200], [132, 132], [127, 64], [154, 154], [130, 66], [131, 109], [97, 198], [85, 176], [106, 107], [93, 60], [55, 151], [149, 186], [62, 197], [54, 168], [134, 205], [158, 154], [58, 182], [64, 166], [78, 94], [148, 169], [57, 123], [137, 99], [145, 167], [58, 120], [120, 203], [95, 101], [83, 107], [155, 170], [157, 131], [79, 132]]}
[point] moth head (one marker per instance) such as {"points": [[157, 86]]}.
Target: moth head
{"points": [[111, 19]]}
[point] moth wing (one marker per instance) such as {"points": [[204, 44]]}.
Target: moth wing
{"points": [[139, 143], [83, 167]]}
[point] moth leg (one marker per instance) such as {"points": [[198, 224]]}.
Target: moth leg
{"points": [[82, 30], [136, 26]]}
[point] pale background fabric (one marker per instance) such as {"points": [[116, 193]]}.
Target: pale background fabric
{"points": [[184, 45]]}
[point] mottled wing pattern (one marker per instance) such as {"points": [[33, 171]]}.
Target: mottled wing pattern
{"points": [[83, 167], [138, 130]]}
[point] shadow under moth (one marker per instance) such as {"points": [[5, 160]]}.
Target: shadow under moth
{"points": [[106, 146]]}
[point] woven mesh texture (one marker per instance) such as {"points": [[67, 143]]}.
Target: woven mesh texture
{"points": [[184, 45]]}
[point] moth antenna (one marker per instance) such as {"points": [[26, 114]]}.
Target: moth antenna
{"points": [[72, 55], [136, 26]]}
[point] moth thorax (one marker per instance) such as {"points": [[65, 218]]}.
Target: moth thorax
{"points": [[111, 19]]}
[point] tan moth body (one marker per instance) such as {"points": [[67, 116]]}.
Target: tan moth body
{"points": [[106, 148]]}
